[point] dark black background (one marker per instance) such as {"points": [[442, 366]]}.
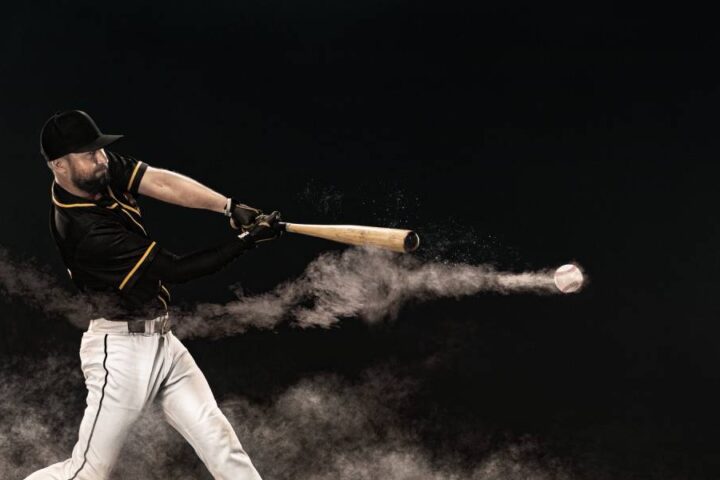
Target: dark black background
{"points": [[522, 136]]}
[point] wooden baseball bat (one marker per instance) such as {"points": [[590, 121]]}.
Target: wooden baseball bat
{"points": [[394, 239]]}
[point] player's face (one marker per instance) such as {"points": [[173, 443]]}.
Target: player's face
{"points": [[89, 170]]}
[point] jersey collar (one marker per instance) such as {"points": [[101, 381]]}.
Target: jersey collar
{"points": [[64, 199]]}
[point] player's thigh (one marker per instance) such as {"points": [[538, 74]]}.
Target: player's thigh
{"points": [[190, 407], [186, 396], [114, 402], [104, 426]]}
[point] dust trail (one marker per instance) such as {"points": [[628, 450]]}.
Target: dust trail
{"points": [[370, 284], [320, 428], [24, 281]]}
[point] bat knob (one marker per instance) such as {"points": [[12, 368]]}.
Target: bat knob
{"points": [[412, 242]]}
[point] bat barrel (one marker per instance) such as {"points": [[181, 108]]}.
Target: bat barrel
{"points": [[411, 242], [394, 239]]}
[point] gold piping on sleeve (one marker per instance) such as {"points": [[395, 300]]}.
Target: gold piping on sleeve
{"points": [[137, 265], [132, 177]]}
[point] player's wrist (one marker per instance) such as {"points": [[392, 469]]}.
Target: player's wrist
{"points": [[241, 216], [247, 240], [265, 228]]}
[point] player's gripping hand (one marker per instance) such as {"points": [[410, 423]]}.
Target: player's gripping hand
{"points": [[241, 216], [265, 228]]}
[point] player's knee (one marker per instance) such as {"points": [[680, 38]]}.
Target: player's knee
{"points": [[235, 465]]}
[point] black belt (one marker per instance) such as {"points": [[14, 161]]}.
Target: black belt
{"points": [[161, 326]]}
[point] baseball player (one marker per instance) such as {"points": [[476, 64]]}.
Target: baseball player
{"points": [[129, 355]]}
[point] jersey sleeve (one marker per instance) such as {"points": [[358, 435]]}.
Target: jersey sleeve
{"points": [[125, 172], [114, 255], [171, 268]]}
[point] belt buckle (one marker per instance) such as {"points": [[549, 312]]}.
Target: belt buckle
{"points": [[161, 326], [136, 326]]}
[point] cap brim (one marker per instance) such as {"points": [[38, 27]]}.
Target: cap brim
{"points": [[100, 142]]}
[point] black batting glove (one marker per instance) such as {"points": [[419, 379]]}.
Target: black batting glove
{"points": [[241, 216], [265, 228]]}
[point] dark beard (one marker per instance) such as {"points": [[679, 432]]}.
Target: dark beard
{"points": [[92, 185]]}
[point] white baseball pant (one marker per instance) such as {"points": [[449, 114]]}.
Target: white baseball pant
{"points": [[124, 373]]}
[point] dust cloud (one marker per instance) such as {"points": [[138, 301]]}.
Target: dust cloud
{"points": [[364, 283], [321, 428]]}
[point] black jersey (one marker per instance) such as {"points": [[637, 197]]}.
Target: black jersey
{"points": [[105, 244], [110, 255]]}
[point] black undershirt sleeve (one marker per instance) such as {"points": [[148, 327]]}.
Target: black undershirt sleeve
{"points": [[171, 268]]}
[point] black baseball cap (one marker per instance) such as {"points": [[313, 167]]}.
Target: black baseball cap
{"points": [[71, 132]]}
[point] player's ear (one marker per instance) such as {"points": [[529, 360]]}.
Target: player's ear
{"points": [[58, 165]]}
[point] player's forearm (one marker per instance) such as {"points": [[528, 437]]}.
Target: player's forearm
{"points": [[177, 189], [171, 268]]}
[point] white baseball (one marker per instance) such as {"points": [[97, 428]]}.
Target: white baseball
{"points": [[568, 278]]}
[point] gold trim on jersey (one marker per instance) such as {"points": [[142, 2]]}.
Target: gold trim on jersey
{"points": [[163, 301], [124, 205], [132, 177], [166, 291], [137, 265], [73, 205], [67, 205], [135, 221]]}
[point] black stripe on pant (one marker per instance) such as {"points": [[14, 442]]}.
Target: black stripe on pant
{"points": [[102, 396]]}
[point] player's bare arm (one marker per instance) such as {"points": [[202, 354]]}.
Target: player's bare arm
{"points": [[177, 189]]}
